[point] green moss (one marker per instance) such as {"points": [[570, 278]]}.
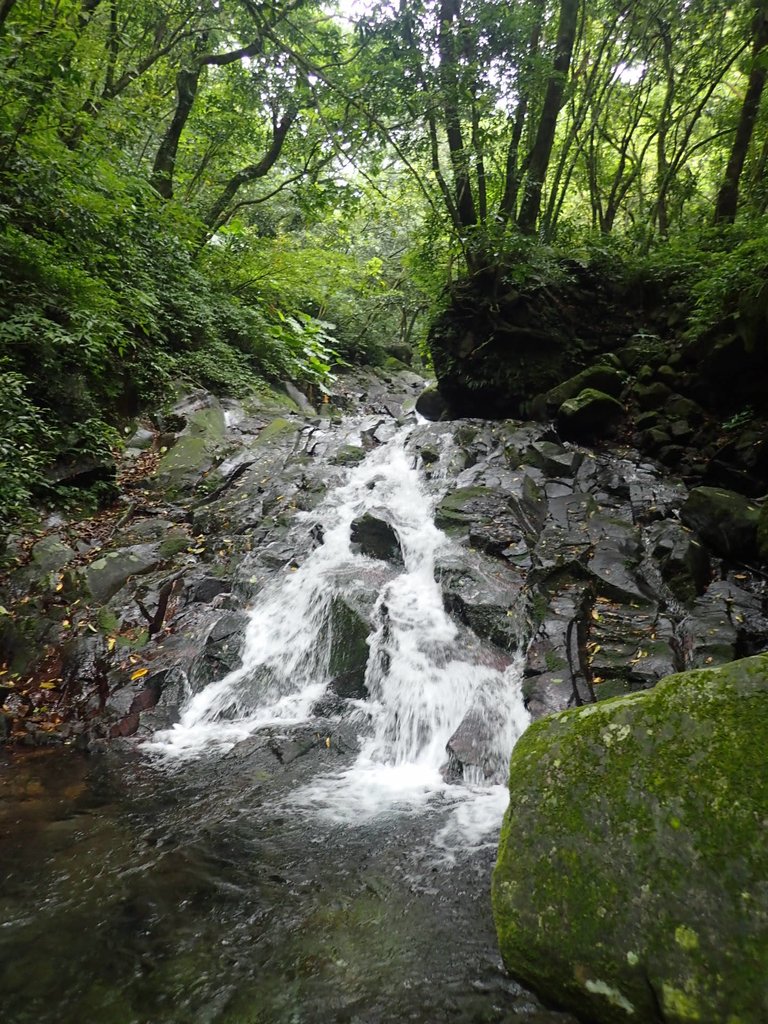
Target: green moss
{"points": [[632, 857], [173, 545], [107, 620], [275, 429]]}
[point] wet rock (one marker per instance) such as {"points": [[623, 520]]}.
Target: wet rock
{"points": [[206, 589], [198, 447], [628, 648], [554, 459], [554, 678], [348, 657], [487, 596], [677, 407], [130, 702], [303, 404], [288, 748], [630, 874], [724, 520], [590, 414], [83, 471], [639, 350], [107, 574], [683, 562], [51, 553], [222, 651], [349, 455], [85, 664], [651, 396], [141, 439], [724, 622], [375, 537], [483, 512], [613, 566], [432, 405]]}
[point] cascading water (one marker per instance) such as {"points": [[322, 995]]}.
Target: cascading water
{"points": [[422, 677]]}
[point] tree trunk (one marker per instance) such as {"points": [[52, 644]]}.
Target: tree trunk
{"points": [[728, 196], [187, 82], [662, 163], [217, 213], [6, 6], [513, 171], [553, 101], [464, 199]]}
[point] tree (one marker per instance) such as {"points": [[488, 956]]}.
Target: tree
{"points": [[728, 195]]}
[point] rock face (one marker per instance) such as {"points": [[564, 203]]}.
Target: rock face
{"points": [[630, 883]]}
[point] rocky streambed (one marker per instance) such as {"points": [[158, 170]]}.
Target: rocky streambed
{"points": [[433, 586]]}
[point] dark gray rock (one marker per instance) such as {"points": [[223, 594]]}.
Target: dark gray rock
{"points": [[375, 537], [432, 405], [606, 379], [590, 414], [107, 574], [724, 520], [651, 396], [683, 562], [487, 596], [348, 651], [51, 553], [206, 589]]}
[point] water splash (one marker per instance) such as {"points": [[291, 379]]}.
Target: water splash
{"points": [[422, 677]]}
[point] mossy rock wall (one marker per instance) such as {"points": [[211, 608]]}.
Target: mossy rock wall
{"points": [[499, 343], [632, 877]]}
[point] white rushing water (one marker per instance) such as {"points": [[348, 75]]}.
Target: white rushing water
{"points": [[421, 678]]}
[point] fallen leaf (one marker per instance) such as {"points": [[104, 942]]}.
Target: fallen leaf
{"points": [[139, 673]]}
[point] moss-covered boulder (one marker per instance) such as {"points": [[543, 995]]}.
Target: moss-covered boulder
{"points": [[724, 520], [603, 378], [589, 414], [632, 878]]}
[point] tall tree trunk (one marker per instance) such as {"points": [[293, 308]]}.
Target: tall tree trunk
{"points": [[662, 163], [187, 83], [513, 171], [553, 101], [450, 11], [728, 196]]}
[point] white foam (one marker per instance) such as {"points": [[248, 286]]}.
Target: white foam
{"points": [[420, 677]]}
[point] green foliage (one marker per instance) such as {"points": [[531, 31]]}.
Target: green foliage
{"points": [[27, 441]]}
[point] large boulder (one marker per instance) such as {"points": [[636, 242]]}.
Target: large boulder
{"points": [[432, 405], [589, 414], [603, 378], [724, 520], [631, 877]]}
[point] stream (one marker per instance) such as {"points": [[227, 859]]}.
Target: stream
{"points": [[289, 813], [269, 857]]}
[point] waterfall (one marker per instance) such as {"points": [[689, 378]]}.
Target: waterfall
{"points": [[423, 673]]}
